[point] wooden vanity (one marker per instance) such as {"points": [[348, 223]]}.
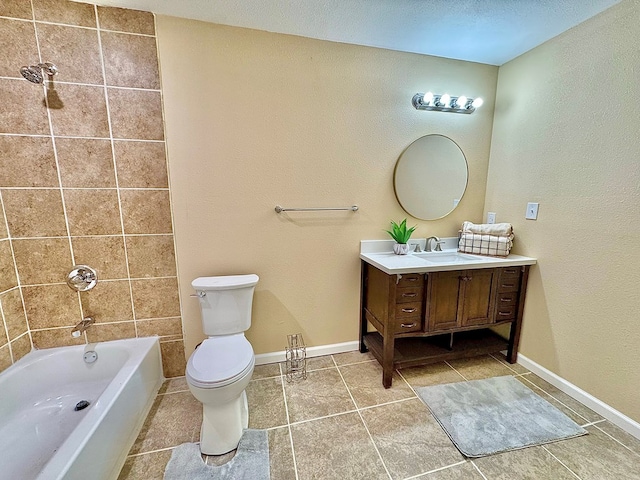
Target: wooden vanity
{"points": [[429, 313]]}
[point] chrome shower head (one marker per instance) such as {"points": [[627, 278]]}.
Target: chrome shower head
{"points": [[34, 73]]}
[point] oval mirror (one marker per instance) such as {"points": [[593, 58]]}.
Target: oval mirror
{"points": [[430, 177]]}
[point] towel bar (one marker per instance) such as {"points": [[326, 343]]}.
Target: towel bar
{"points": [[280, 209]]}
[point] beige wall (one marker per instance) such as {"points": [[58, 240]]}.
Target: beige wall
{"points": [[83, 180], [566, 135], [256, 119]]}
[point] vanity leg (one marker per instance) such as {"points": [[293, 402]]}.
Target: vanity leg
{"points": [[388, 346], [516, 326], [363, 302]]}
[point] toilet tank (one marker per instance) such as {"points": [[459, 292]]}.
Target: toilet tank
{"points": [[225, 303]]}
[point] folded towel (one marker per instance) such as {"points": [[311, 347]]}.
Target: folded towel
{"points": [[496, 229], [485, 244]]}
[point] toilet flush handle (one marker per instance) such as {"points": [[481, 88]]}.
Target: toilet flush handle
{"points": [[199, 294]]}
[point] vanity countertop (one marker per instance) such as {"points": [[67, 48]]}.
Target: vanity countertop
{"points": [[379, 254]]}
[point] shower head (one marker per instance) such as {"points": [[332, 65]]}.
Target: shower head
{"points": [[33, 73]]}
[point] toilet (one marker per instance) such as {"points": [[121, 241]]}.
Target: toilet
{"points": [[220, 368]]}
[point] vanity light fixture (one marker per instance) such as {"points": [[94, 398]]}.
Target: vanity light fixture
{"points": [[445, 103]]}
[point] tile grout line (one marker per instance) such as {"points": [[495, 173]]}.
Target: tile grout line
{"points": [[478, 469], [462, 462], [612, 437], [455, 370], [560, 462], [384, 465], [286, 410]]}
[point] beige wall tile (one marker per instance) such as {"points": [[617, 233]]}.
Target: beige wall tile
{"points": [[163, 327], [42, 260], [64, 11], [23, 108], [111, 331], [55, 337], [141, 164], [136, 114], [108, 302], [85, 162], [151, 256], [5, 358], [20, 37], [8, 278], [93, 212], [34, 213], [75, 51], [130, 60], [51, 306], [125, 20], [14, 316], [104, 254], [3, 226], [82, 112], [20, 347], [173, 361], [156, 298], [146, 211], [16, 9], [27, 162]]}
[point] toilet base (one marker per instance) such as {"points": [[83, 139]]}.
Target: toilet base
{"points": [[222, 426]]}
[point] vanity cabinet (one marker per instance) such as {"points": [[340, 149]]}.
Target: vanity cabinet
{"points": [[423, 318]]}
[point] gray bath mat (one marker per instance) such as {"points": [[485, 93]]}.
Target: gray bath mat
{"points": [[483, 417], [251, 461]]}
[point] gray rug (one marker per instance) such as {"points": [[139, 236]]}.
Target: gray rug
{"points": [[483, 417], [251, 461]]}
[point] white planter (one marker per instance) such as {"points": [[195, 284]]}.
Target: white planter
{"points": [[401, 248]]}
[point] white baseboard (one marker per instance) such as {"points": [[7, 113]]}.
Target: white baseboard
{"points": [[275, 357], [614, 416]]}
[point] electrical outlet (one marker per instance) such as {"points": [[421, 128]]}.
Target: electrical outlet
{"points": [[491, 217], [532, 211]]}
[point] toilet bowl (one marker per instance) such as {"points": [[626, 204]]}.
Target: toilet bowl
{"points": [[220, 368]]}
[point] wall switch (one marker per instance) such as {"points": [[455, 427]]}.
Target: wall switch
{"points": [[532, 211], [491, 217]]}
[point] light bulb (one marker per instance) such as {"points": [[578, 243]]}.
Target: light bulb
{"points": [[427, 98], [461, 102], [445, 99], [477, 103]]}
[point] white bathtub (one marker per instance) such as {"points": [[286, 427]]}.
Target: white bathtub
{"points": [[41, 435]]}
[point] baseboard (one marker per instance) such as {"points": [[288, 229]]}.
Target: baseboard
{"points": [[614, 416], [275, 357]]}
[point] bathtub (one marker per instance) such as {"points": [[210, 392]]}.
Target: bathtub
{"points": [[44, 437]]}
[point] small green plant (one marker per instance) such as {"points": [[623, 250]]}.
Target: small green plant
{"points": [[399, 232]]}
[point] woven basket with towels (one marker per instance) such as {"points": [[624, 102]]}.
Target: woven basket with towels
{"points": [[492, 239]]}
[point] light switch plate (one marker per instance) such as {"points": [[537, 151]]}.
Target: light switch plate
{"points": [[532, 211], [491, 217]]}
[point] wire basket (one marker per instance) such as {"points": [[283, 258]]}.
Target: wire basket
{"points": [[296, 363]]}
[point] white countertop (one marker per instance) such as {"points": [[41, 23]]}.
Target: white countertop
{"points": [[379, 254]]}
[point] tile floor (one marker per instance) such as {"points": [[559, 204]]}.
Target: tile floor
{"points": [[340, 423]]}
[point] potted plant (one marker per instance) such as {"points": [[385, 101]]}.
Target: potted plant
{"points": [[401, 234]]}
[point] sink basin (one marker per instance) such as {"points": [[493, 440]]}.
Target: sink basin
{"points": [[448, 257]]}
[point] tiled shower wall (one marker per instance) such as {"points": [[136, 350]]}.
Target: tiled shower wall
{"points": [[83, 180]]}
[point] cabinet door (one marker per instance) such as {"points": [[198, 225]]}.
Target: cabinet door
{"points": [[479, 297], [445, 295]]}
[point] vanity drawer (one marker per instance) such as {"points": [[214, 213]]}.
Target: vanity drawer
{"points": [[407, 325], [506, 313], [507, 299], [411, 280], [509, 280], [409, 294]]}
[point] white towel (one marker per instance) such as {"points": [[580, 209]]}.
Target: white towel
{"points": [[495, 229], [485, 244]]}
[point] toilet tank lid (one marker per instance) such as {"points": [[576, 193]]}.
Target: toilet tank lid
{"points": [[225, 282]]}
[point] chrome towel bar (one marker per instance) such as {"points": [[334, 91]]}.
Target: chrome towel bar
{"points": [[280, 209]]}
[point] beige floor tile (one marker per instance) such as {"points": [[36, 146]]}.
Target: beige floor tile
{"points": [[434, 374], [365, 384], [562, 397], [322, 393], [317, 363], [266, 403], [628, 440], [409, 439], [266, 371], [172, 385], [476, 368], [175, 418], [463, 471], [149, 466], [597, 457], [516, 367], [353, 357], [525, 464], [281, 455], [337, 447]]}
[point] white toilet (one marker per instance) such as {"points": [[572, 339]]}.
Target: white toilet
{"points": [[220, 369]]}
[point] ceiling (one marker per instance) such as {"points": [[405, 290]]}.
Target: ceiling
{"points": [[484, 31]]}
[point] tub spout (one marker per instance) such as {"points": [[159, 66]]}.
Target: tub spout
{"points": [[82, 326]]}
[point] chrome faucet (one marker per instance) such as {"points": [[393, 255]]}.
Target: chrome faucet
{"points": [[82, 326], [438, 247]]}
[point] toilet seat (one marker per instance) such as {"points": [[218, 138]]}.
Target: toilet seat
{"points": [[220, 361]]}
